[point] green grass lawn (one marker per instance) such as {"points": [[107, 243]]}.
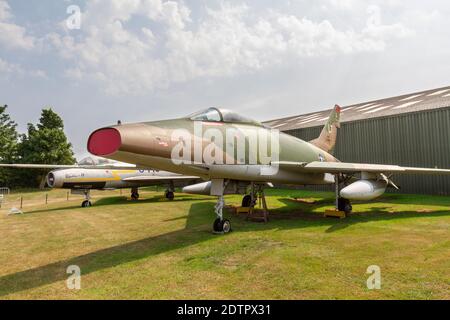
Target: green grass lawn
{"points": [[155, 249]]}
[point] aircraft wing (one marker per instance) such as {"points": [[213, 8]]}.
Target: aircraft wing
{"points": [[159, 178], [71, 166], [342, 167]]}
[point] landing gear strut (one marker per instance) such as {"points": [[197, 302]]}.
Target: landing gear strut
{"points": [[134, 194], [221, 225], [87, 202], [341, 203]]}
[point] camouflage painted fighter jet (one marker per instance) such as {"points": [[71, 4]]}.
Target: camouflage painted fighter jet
{"points": [[102, 174], [239, 155]]}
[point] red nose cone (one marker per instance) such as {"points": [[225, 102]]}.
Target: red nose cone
{"points": [[104, 142]]}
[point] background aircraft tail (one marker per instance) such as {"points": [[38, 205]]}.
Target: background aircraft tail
{"points": [[327, 139]]}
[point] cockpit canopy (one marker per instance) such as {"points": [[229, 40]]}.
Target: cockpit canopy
{"points": [[97, 161], [221, 115]]}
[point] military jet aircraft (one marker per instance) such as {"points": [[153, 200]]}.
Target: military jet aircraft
{"points": [[103, 174], [240, 155]]}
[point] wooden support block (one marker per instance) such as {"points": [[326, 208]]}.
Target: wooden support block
{"points": [[246, 210], [335, 214], [258, 215]]}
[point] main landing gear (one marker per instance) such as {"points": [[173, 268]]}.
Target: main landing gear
{"points": [[134, 194], [221, 225], [345, 205], [342, 204], [250, 200], [87, 202], [169, 194]]}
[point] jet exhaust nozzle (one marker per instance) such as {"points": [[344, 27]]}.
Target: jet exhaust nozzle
{"points": [[364, 190]]}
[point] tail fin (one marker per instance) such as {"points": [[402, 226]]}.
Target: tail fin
{"points": [[327, 139]]}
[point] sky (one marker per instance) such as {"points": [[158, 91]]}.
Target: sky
{"points": [[144, 60]]}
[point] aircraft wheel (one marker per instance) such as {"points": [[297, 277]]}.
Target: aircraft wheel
{"points": [[216, 225], [222, 226], [247, 201], [135, 196], [170, 195], [345, 205], [226, 226], [86, 203], [348, 208]]}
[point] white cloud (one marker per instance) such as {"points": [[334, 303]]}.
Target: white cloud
{"points": [[7, 68], [4, 11], [226, 41], [12, 35]]}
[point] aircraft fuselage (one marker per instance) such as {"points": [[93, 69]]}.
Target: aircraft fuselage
{"points": [[212, 150]]}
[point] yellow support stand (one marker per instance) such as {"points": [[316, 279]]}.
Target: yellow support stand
{"points": [[240, 210], [334, 214]]}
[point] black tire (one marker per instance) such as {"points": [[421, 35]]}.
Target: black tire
{"points": [[247, 201], [135, 196], [348, 208], [341, 204], [217, 226], [222, 226], [86, 204], [345, 205], [170, 195]]}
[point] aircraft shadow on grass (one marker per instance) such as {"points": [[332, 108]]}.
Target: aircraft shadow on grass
{"points": [[120, 200], [335, 224], [194, 232]]}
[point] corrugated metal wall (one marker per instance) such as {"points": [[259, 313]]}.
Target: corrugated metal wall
{"points": [[416, 139]]}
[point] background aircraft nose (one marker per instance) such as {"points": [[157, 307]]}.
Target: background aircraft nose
{"points": [[104, 142]]}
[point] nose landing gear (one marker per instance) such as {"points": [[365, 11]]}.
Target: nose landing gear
{"points": [[221, 225], [87, 202]]}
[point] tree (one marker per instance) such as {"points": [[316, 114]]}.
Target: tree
{"points": [[50, 120], [8, 145], [45, 143]]}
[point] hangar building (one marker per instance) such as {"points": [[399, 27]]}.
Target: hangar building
{"points": [[410, 130]]}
